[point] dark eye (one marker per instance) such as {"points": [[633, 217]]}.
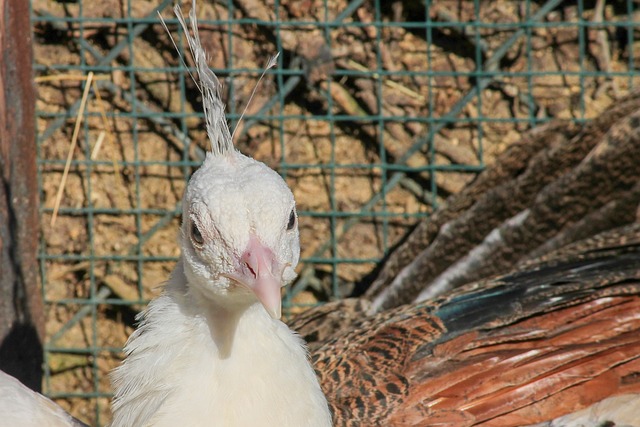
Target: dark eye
{"points": [[196, 236], [292, 220]]}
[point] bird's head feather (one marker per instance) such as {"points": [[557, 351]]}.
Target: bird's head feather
{"points": [[236, 208], [240, 236]]}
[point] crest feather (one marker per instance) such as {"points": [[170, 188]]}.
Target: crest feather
{"points": [[217, 127]]}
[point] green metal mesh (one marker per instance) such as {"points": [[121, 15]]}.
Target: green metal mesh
{"points": [[391, 136]]}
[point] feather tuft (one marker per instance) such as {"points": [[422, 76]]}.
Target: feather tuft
{"points": [[217, 127], [270, 64]]}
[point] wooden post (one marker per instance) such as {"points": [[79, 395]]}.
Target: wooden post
{"points": [[21, 308]]}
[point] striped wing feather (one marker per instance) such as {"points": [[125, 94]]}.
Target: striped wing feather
{"points": [[520, 349]]}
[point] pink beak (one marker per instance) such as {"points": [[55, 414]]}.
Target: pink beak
{"points": [[260, 272]]}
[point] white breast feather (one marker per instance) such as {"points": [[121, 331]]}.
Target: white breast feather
{"points": [[22, 407], [174, 374]]}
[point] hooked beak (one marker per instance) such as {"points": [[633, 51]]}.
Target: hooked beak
{"points": [[260, 272]]}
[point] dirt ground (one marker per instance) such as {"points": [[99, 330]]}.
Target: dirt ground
{"points": [[107, 240]]}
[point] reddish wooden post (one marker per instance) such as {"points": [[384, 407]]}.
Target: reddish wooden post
{"points": [[21, 308]]}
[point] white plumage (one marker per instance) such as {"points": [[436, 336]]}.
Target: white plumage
{"points": [[211, 350], [22, 407]]}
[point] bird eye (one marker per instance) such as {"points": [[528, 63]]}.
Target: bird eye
{"points": [[292, 220], [196, 236]]}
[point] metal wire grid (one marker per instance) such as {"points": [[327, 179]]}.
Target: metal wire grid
{"points": [[487, 71]]}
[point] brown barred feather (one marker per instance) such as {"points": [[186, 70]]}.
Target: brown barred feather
{"points": [[542, 342]]}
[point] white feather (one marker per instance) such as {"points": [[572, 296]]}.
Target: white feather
{"points": [[179, 376], [207, 353], [22, 407], [217, 127]]}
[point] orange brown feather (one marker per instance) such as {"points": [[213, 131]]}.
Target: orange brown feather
{"points": [[520, 349]]}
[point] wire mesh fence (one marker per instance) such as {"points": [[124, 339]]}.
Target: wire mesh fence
{"points": [[374, 114]]}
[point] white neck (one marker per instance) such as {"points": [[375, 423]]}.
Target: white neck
{"points": [[194, 364]]}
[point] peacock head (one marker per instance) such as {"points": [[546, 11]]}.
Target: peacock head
{"points": [[240, 238], [240, 234]]}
